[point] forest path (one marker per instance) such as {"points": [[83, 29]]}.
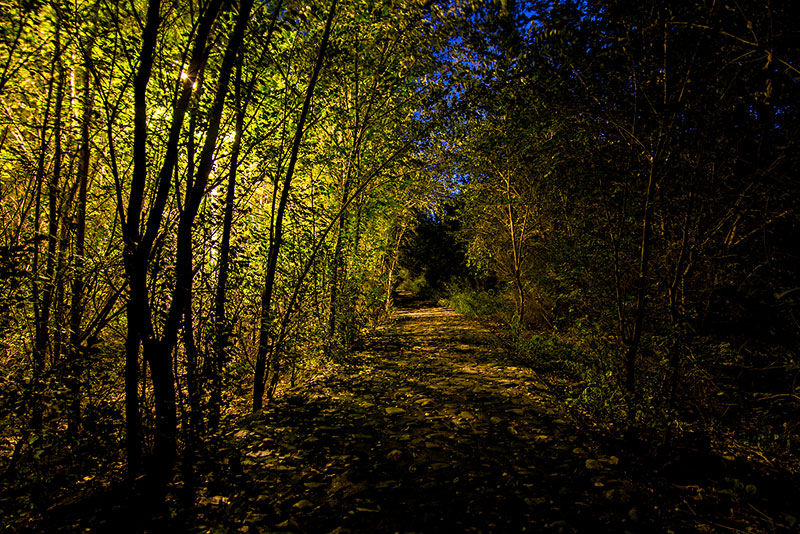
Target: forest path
{"points": [[431, 429]]}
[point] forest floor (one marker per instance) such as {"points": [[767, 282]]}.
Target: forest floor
{"points": [[435, 427]]}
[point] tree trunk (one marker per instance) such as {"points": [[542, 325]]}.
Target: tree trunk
{"points": [[634, 340], [52, 205], [192, 416], [133, 424], [391, 266], [516, 251], [76, 306], [159, 353], [337, 267], [135, 257], [222, 325], [259, 380], [138, 246], [338, 264], [40, 296]]}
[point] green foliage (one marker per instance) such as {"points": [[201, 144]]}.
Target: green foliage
{"points": [[586, 379], [612, 180], [416, 285], [615, 180], [67, 72], [474, 303]]}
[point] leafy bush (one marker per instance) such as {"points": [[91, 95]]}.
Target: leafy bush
{"points": [[414, 284], [474, 303]]}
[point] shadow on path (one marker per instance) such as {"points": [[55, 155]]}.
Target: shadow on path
{"points": [[432, 429]]}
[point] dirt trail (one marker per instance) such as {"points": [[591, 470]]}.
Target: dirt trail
{"points": [[430, 429], [434, 428]]}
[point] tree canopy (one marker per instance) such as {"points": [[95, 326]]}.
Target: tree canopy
{"points": [[204, 202]]}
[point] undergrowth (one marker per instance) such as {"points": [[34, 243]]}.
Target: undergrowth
{"points": [[712, 396], [578, 376], [473, 303]]}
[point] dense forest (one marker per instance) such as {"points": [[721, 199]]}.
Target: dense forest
{"points": [[207, 203]]}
